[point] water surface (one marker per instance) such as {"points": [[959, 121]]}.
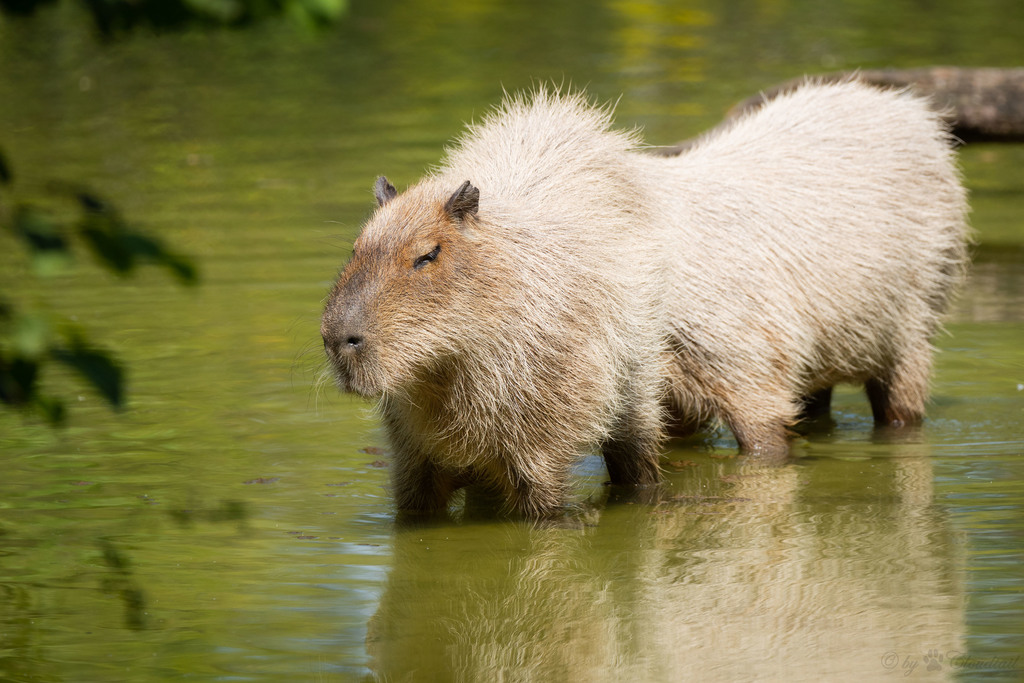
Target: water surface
{"points": [[233, 522]]}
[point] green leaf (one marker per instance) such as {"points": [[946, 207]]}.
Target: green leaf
{"points": [[95, 204], [122, 251], [108, 248], [51, 408], [182, 268], [46, 241], [98, 368], [6, 177], [220, 11], [39, 231], [18, 387], [50, 263], [153, 251], [119, 247], [18, 380], [30, 335], [327, 10]]}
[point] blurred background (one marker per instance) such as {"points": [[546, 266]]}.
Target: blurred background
{"points": [[185, 495]]}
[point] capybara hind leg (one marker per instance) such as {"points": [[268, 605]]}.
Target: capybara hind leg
{"points": [[896, 403], [817, 404], [898, 396]]}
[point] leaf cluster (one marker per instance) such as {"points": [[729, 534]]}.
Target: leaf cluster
{"points": [[115, 18], [29, 341]]}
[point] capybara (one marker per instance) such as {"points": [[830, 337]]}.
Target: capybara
{"points": [[552, 287]]}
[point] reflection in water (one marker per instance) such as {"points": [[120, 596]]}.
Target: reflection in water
{"points": [[766, 572], [120, 581], [994, 295]]}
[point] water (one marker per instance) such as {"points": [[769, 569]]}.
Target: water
{"points": [[233, 524]]}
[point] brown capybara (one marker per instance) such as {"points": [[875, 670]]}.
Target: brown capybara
{"points": [[551, 288]]}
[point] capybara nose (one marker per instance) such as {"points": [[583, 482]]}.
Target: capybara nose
{"points": [[343, 343]]}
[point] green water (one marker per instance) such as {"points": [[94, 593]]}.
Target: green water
{"points": [[233, 523]]}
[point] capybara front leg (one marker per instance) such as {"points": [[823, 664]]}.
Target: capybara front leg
{"points": [[761, 434], [420, 486], [760, 423], [539, 490], [767, 442], [632, 461], [632, 450]]}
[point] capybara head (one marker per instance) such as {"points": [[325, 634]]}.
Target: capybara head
{"points": [[398, 311]]}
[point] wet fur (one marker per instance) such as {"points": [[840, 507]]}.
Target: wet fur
{"points": [[584, 294]]}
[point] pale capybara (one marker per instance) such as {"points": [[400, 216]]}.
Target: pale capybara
{"points": [[553, 288]]}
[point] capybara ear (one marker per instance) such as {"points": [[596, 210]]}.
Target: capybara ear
{"points": [[465, 201], [384, 191]]}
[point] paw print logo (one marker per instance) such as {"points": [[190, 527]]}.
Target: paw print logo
{"points": [[934, 660]]}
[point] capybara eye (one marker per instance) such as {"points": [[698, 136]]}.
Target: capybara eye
{"points": [[427, 258]]}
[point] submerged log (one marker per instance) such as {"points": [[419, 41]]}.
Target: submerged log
{"points": [[981, 105]]}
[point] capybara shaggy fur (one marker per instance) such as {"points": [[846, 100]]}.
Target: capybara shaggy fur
{"points": [[552, 288]]}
